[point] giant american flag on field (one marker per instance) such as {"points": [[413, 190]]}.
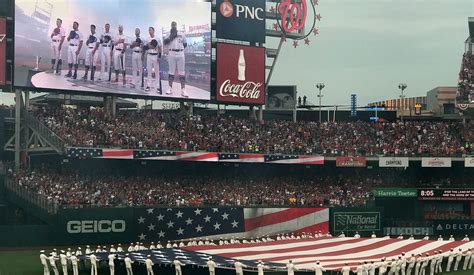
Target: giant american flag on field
{"points": [[333, 253], [155, 224]]}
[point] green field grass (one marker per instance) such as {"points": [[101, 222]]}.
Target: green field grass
{"points": [[26, 262]]}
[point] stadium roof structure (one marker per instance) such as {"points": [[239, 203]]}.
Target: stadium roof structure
{"points": [[79, 100]]}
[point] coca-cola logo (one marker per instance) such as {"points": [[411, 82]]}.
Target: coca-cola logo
{"points": [[249, 89]]}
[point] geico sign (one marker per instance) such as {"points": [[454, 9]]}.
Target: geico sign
{"points": [[95, 226]]}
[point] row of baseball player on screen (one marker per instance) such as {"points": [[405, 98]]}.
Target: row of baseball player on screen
{"points": [[107, 47]]}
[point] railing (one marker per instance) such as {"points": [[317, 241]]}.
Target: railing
{"points": [[30, 196], [55, 141]]}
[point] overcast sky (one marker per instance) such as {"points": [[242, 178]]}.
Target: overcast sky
{"points": [[368, 47]]}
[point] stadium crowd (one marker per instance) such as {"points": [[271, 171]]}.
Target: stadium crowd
{"points": [[71, 188], [466, 79], [173, 131], [346, 188]]}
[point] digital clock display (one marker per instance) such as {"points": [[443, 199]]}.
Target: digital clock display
{"points": [[446, 194]]}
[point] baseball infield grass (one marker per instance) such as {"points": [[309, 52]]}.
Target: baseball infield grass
{"points": [[26, 262]]}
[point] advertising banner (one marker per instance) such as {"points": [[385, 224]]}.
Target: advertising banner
{"points": [[453, 227], [446, 194], [395, 192], [350, 162], [130, 48], [281, 98], [240, 74], [435, 162], [469, 162], [96, 225], [3, 50], [356, 221], [416, 231], [241, 20], [393, 162]]}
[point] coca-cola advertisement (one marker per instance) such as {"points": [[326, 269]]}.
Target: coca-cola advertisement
{"points": [[240, 74], [350, 162]]}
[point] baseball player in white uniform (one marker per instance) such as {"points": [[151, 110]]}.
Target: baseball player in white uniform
{"points": [[177, 267], [75, 40], [137, 62], [128, 264], [44, 262], [57, 40], [105, 53], [212, 266], [176, 43], [52, 263], [111, 258], [92, 44], [149, 265], [93, 260], [75, 269], [153, 46], [63, 260], [120, 43]]}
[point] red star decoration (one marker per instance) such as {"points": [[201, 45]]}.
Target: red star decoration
{"points": [[295, 44], [272, 10], [275, 26], [306, 41], [318, 16], [315, 2], [283, 38], [315, 31]]}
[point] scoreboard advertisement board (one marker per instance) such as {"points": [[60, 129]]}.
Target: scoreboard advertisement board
{"points": [[446, 194]]}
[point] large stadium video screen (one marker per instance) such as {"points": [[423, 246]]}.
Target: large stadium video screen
{"points": [[136, 48]]}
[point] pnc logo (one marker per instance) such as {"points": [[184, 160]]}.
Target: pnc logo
{"points": [[248, 12], [95, 226], [226, 9]]}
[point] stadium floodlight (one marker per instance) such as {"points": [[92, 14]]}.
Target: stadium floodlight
{"points": [[320, 86], [402, 87]]}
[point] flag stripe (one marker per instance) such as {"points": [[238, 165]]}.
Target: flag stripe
{"points": [[250, 213], [278, 217], [283, 249], [117, 153]]}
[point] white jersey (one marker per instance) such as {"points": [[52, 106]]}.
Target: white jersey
{"points": [[44, 259], [128, 262], [291, 269], [120, 46], [211, 265], [52, 261], [138, 48], [318, 270], [73, 260], [345, 270], [93, 259], [238, 267], [59, 36], [148, 264], [74, 41], [111, 259], [178, 42], [260, 269], [104, 34], [177, 264], [92, 40], [155, 50], [63, 259]]}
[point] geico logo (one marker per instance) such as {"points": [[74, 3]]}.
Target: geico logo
{"points": [[249, 12], [95, 226]]}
